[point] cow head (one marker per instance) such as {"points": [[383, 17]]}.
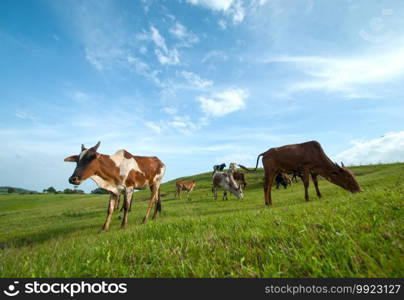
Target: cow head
{"points": [[344, 178], [86, 164], [234, 187]]}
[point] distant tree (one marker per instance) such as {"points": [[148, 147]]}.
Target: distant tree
{"points": [[10, 190], [75, 191], [50, 190], [99, 191]]}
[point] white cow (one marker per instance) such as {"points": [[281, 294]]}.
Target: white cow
{"points": [[227, 183]]}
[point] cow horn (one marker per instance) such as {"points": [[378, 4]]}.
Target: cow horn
{"points": [[96, 146], [342, 164], [82, 147]]}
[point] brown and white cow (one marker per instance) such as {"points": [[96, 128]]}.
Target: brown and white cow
{"points": [[184, 185], [119, 173], [306, 159], [226, 181]]}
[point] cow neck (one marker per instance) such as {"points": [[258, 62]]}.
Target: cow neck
{"points": [[107, 169]]}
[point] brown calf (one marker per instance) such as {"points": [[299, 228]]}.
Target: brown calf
{"points": [[119, 173], [184, 185]]}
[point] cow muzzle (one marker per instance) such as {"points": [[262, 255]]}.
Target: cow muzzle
{"points": [[74, 180]]}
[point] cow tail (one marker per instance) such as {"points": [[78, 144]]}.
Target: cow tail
{"points": [[158, 202], [258, 158], [256, 166]]}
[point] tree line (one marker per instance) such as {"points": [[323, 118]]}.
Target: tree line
{"points": [[52, 190]]}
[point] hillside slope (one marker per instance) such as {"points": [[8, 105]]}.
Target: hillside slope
{"points": [[340, 235], [4, 190]]}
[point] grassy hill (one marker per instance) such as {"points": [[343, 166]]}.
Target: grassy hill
{"points": [[4, 190], [340, 235]]}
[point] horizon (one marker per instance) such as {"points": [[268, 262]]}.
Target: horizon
{"points": [[197, 82]]}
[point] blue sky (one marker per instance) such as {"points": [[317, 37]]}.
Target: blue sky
{"points": [[197, 82]]}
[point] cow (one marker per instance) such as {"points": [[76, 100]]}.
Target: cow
{"points": [[233, 166], [308, 159], [227, 183], [282, 179], [239, 177], [294, 175], [119, 173], [183, 185], [218, 167]]}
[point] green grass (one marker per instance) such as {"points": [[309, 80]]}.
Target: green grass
{"points": [[340, 235]]}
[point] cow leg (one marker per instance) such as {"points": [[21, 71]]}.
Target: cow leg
{"points": [[177, 192], [111, 206], [306, 182], [117, 203], [154, 198], [157, 207], [130, 202], [214, 191], [126, 206], [315, 181], [269, 179], [225, 195]]}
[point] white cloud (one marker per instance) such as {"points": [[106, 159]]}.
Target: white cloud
{"points": [[232, 8], [345, 74], [179, 30], [218, 5], [237, 12], [182, 33], [183, 124], [143, 50], [164, 55], [223, 103], [169, 110], [214, 55], [171, 57], [195, 80], [153, 126], [386, 149], [143, 69], [222, 24], [158, 39]]}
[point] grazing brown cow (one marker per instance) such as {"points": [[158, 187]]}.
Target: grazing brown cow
{"points": [[308, 159], [226, 181], [184, 185], [239, 177], [119, 173]]}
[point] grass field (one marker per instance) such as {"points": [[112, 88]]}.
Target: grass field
{"points": [[340, 235]]}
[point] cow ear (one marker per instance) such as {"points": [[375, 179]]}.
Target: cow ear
{"points": [[342, 164], [73, 158], [94, 149]]}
